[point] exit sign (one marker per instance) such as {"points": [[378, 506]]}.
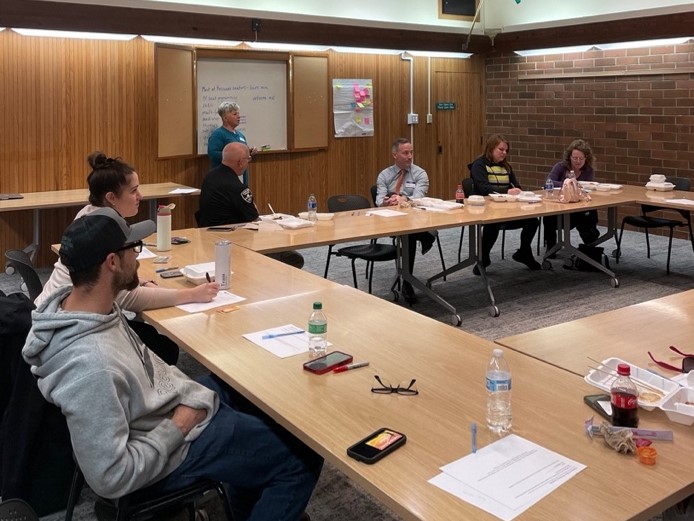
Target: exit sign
{"points": [[445, 105]]}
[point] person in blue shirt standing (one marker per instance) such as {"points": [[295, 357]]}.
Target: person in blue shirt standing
{"points": [[227, 133]]}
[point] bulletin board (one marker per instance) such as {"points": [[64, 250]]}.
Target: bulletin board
{"points": [[353, 109]]}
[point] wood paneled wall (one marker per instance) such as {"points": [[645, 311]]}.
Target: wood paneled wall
{"points": [[63, 98]]}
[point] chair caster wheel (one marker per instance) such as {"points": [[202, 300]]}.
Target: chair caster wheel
{"points": [[614, 282], [456, 321], [494, 311], [546, 265]]}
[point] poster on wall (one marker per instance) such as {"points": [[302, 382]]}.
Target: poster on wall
{"points": [[353, 110]]}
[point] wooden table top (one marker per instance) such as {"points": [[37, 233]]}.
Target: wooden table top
{"points": [[346, 226], [330, 412], [278, 280], [627, 333], [62, 198]]}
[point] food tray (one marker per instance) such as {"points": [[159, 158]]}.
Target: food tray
{"points": [[677, 406], [648, 400], [502, 198], [196, 273], [660, 187], [319, 216]]}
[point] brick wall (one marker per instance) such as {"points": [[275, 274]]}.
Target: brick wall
{"points": [[634, 106]]}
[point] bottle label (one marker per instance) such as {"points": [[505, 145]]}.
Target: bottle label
{"points": [[317, 329], [498, 385], [624, 400]]}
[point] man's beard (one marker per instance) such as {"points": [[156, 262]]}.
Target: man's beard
{"points": [[124, 281]]}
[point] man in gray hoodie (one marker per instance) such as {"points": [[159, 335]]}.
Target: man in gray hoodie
{"points": [[134, 420]]}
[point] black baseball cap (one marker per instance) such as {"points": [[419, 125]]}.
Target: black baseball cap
{"points": [[88, 240]]}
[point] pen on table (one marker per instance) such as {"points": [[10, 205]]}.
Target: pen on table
{"points": [[473, 428], [161, 270], [207, 276], [277, 335], [349, 367], [149, 244], [272, 209]]}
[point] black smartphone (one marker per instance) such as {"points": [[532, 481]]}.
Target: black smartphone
{"points": [[180, 240], [222, 228], [592, 401], [328, 362], [170, 274], [377, 445]]}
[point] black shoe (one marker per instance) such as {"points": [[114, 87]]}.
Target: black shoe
{"points": [[553, 256], [305, 517], [527, 258], [476, 269], [427, 243], [408, 293]]}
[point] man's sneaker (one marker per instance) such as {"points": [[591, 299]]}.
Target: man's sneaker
{"points": [[527, 258], [476, 270]]}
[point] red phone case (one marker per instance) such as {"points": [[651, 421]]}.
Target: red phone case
{"points": [[319, 366]]}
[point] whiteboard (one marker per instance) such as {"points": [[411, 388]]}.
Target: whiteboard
{"points": [[260, 89]]}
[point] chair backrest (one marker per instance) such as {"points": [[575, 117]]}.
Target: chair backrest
{"points": [[17, 510], [344, 203], [468, 186], [374, 193], [681, 183], [20, 260]]}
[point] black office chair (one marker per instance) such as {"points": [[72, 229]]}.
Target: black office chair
{"points": [[145, 502], [17, 510], [20, 260], [648, 222], [371, 253], [374, 191]]}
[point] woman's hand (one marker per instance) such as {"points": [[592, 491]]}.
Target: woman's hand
{"points": [[514, 191]]}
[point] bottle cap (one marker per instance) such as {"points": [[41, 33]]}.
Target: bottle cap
{"points": [[498, 352], [623, 370], [317, 305]]}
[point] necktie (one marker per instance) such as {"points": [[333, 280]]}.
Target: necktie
{"points": [[399, 183]]}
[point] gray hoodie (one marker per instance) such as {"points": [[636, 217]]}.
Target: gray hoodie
{"points": [[117, 396]]}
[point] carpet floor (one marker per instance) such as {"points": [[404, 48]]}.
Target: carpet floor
{"points": [[527, 300]]}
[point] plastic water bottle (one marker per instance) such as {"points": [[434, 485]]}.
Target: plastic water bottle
{"points": [[163, 228], [317, 331], [460, 195], [571, 175], [498, 393], [624, 399], [312, 208], [549, 188]]}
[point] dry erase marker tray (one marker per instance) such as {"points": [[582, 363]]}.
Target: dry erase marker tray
{"points": [[653, 389]]}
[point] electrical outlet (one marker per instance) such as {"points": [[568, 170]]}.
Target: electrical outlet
{"points": [[256, 25], [412, 119], [430, 118]]}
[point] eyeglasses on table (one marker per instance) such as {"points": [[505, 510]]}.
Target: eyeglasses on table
{"points": [[403, 388], [687, 361]]}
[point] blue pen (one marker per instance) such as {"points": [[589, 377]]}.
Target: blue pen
{"points": [[473, 428], [277, 335]]}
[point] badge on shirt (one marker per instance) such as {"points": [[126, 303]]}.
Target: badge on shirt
{"points": [[410, 185], [247, 196]]}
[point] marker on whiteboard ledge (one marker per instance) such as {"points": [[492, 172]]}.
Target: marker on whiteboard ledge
{"points": [[263, 148]]}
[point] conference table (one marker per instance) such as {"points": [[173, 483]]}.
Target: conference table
{"points": [[368, 224], [330, 412], [37, 201], [627, 333]]}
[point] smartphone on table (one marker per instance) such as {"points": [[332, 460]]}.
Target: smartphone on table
{"points": [[326, 363], [595, 401], [377, 445]]}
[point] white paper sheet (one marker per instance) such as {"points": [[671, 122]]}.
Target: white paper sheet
{"points": [[508, 476], [184, 190], [223, 298], [283, 346], [146, 254], [385, 213], [680, 201]]}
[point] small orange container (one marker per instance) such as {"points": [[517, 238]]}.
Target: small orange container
{"points": [[647, 455]]}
